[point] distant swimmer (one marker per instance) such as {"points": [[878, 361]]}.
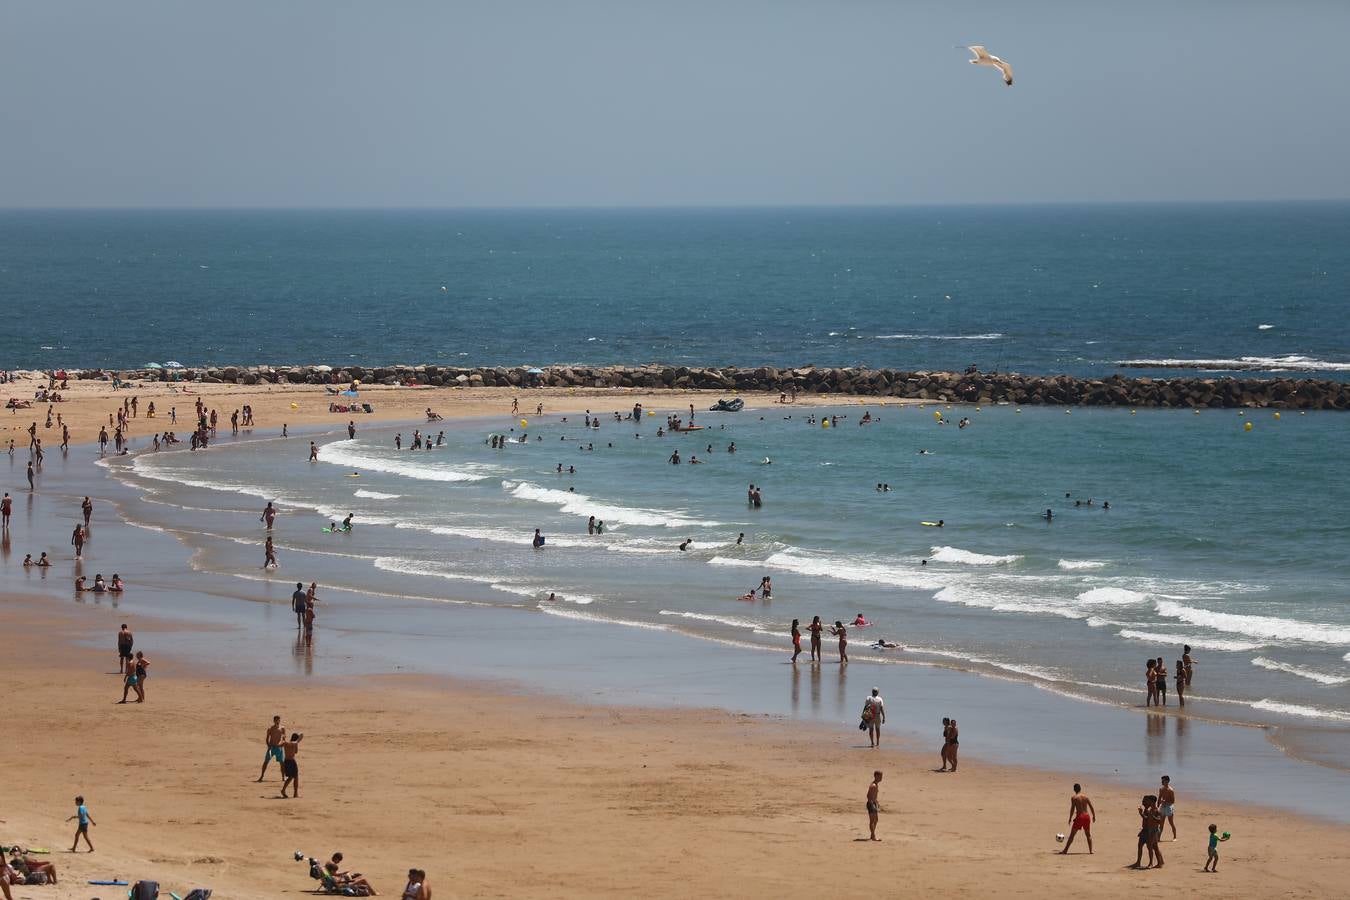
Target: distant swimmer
{"points": [[883, 644], [552, 597], [860, 622], [685, 546], [766, 461], [1049, 514], [740, 538], [347, 522], [925, 452]]}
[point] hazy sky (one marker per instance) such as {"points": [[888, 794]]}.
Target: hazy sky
{"points": [[636, 102]]}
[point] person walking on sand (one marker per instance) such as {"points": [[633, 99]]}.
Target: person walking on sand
{"points": [[289, 767], [77, 540], [270, 554], [874, 711], [299, 600], [1212, 860], [82, 829], [274, 736], [125, 641], [1081, 816], [1167, 798], [873, 806]]}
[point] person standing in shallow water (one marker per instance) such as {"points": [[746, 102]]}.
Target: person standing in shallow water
{"points": [[842, 633], [816, 627], [796, 641]]}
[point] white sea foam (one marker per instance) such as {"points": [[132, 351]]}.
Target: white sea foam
{"points": [[1111, 596], [1310, 674], [1309, 712], [970, 595], [350, 456], [1217, 644], [1263, 627], [720, 620], [843, 568], [1264, 327], [580, 616], [969, 558], [583, 505], [377, 495], [1291, 363], [1073, 565], [990, 336]]}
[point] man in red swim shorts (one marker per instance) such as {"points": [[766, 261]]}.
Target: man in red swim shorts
{"points": [[1081, 816]]}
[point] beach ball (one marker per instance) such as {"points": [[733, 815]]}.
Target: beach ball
{"points": [[1059, 838], [524, 423], [1246, 426], [1277, 417]]}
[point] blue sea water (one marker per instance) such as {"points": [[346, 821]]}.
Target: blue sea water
{"points": [[1034, 289], [1229, 540]]}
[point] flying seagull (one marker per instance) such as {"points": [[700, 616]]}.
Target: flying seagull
{"points": [[982, 58]]}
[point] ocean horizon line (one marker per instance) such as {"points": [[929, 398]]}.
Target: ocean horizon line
{"points": [[704, 208]]}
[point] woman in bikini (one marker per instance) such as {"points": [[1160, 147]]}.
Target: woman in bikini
{"points": [[796, 640], [946, 739], [953, 742], [816, 628], [842, 633], [1160, 680], [1151, 678], [1181, 684]]}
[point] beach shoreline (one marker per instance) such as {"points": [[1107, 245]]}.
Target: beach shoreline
{"points": [[663, 787]]}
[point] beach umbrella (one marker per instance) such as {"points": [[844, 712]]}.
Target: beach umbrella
{"points": [[534, 370], [323, 368], [153, 366], [173, 364]]}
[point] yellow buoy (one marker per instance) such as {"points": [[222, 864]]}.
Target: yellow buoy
{"points": [[1277, 417], [977, 409], [824, 423], [651, 412], [1133, 411], [937, 415], [1197, 412], [1246, 426], [524, 423]]}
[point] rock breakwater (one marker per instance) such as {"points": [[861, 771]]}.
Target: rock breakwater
{"points": [[946, 387]]}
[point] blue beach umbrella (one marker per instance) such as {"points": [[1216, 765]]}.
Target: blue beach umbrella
{"points": [[173, 364]]}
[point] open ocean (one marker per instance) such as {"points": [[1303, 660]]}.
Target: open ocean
{"points": [[1232, 541], [1040, 290]]}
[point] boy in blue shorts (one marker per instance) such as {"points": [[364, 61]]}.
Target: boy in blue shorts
{"points": [[82, 813]]}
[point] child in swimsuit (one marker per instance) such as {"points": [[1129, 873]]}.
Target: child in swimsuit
{"points": [[1212, 862]]}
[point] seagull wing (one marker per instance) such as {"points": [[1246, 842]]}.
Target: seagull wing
{"points": [[1004, 68], [981, 55]]}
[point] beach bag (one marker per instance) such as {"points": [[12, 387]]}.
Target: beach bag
{"points": [[199, 894], [145, 890]]}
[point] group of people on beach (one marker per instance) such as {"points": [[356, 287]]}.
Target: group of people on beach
{"points": [[1155, 677]]}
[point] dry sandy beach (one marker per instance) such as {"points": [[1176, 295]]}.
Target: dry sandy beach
{"points": [[513, 795], [520, 796]]}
